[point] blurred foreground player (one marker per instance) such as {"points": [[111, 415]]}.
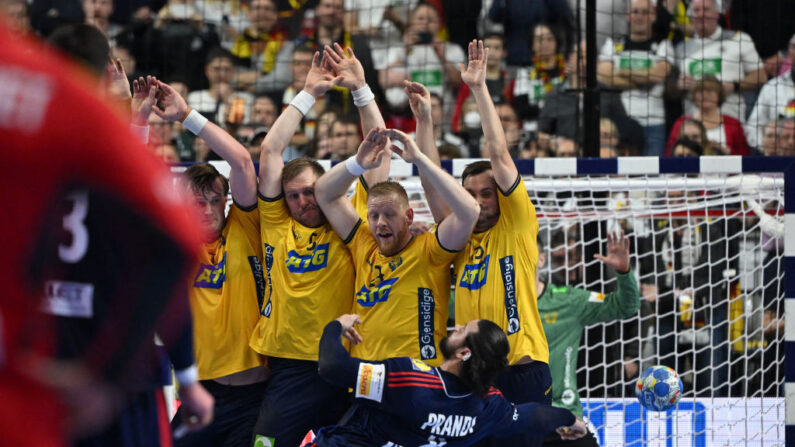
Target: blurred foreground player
{"points": [[404, 401], [121, 205]]}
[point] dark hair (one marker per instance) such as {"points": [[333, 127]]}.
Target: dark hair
{"points": [[218, 53], [493, 35], [560, 41], [201, 178], [489, 346], [388, 187], [83, 43], [294, 168], [708, 82], [475, 168], [688, 143]]}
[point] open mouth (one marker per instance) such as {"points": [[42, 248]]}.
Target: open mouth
{"points": [[385, 237]]}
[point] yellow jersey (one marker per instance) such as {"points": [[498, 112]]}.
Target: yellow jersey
{"points": [[401, 299], [310, 280], [224, 294], [495, 276]]}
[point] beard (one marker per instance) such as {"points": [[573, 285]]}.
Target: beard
{"points": [[447, 350]]}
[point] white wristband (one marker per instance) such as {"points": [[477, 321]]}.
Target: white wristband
{"points": [[353, 166], [363, 96], [195, 122], [187, 376], [303, 101]]}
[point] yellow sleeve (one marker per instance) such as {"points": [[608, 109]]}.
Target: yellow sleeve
{"points": [[517, 212], [434, 251], [272, 211], [359, 241], [359, 198], [248, 220]]}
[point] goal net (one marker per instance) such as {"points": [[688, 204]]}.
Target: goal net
{"points": [[707, 251]]}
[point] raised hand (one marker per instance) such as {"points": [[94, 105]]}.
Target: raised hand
{"points": [[344, 64], [617, 252], [419, 99], [173, 106], [144, 98], [474, 74], [574, 431], [348, 321], [410, 151], [118, 86], [320, 78], [372, 150]]}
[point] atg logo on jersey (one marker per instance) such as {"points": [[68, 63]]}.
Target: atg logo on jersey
{"points": [[474, 276], [380, 293], [211, 276], [315, 261]]}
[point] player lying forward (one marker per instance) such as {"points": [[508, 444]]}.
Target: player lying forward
{"points": [[403, 401]]}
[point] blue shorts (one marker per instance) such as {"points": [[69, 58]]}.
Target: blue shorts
{"points": [[530, 382], [297, 400], [234, 414]]}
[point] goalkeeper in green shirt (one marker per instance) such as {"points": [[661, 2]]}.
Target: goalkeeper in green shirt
{"points": [[566, 310]]}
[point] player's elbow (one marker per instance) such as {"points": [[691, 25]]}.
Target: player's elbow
{"points": [[471, 211]]}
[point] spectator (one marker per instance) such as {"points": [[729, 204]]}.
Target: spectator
{"points": [[637, 64], [441, 132], [424, 57], [382, 21], [97, 13], [17, 15], [730, 56], [785, 144], [320, 146], [562, 113], [533, 149], [178, 44], [220, 103], [694, 130], [254, 143], [330, 29], [262, 52], [547, 71], [769, 139], [685, 147], [511, 126], [449, 152], [725, 134], [299, 66], [345, 138], [228, 17], [769, 23], [264, 111], [608, 135], [496, 77], [47, 15], [776, 99], [518, 16]]}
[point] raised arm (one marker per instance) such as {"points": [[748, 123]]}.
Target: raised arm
{"points": [[454, 231], [242, 178], [345, 64], [318, 81], [330, 189], [335, 365], [420, 102], [495, 146]]}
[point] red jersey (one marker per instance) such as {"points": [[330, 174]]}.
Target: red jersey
{"points": [[59, 140]]}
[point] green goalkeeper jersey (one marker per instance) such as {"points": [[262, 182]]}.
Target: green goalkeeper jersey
{"points": [[564, 312]]}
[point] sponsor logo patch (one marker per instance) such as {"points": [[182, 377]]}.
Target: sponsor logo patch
{"points": [[312, 262], [370, 381], [268, 257], [426, 305], [379, 293], [264, 441], [509, 281], [68, 299], [596, 297], [211, 276], [419, 365], [474, 275]]}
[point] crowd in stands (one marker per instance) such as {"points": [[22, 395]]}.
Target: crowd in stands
{"points": [[665, 68]]}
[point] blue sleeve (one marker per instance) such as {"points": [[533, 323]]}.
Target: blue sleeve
{"points": [[335, 364], [533, 418]]}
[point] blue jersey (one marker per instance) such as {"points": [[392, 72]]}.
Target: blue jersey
{"points": [[405, 402]]}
